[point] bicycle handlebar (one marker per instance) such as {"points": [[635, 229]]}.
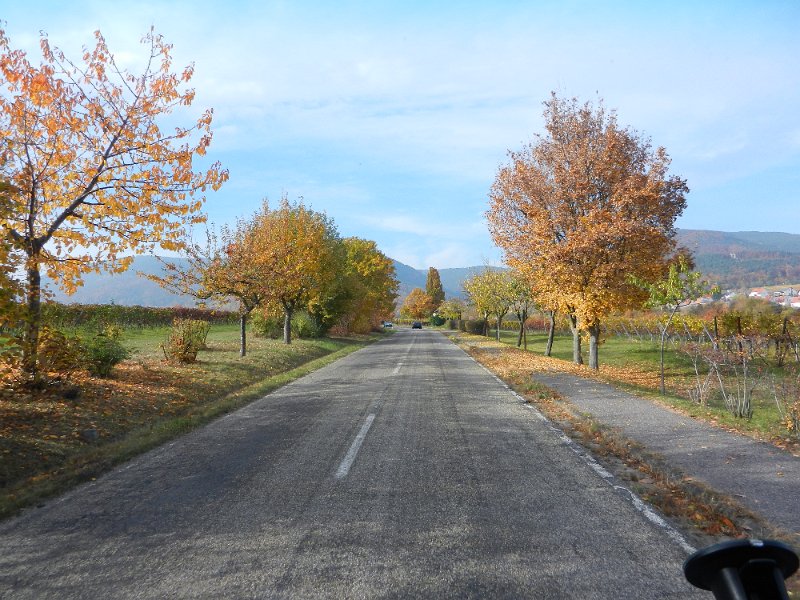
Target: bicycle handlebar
{"points": [[743, 569]]}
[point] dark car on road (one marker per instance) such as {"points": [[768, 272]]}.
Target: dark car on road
{"points": [[416, 325]]}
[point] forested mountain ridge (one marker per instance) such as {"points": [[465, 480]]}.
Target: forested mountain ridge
{"points": [[744, 259]]}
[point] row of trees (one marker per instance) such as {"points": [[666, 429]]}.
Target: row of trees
{"points": [[291, 258], [94, 169]]}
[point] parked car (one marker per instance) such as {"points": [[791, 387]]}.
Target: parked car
{"points": [[416, 325], [388, 324]]}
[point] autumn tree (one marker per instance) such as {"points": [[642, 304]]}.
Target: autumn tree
{"points": [[451, 308], [302, 260], [678, 289], [226, 267], [9, 262], [479, 296], [521, 299], [372, 286], [433, 287], [417, 305], [97, 174], [491, 293], [582, 208]]}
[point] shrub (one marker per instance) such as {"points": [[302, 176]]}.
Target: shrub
{"points": [[437, 321], [103, 351], [786, 392], [304, 326], [59, 354], [476, 326], [268, 326], [186, 338]]}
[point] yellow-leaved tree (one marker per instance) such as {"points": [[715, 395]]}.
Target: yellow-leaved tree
{"points": [[492, 293], [372, 286], [301, 257], [97, 173], [581, 210]]}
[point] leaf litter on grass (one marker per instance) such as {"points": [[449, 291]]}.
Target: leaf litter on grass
{"points": [[65, 426]]}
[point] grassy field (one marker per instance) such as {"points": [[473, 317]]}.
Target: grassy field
{"points": [[75, 430], [634, 365]]}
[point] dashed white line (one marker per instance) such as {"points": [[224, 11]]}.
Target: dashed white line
{"points": [[347, 461]]}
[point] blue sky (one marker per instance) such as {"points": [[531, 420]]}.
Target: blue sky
{"points": [[393, 117]]}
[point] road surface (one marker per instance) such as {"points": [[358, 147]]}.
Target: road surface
{"points": [[404, 470]]}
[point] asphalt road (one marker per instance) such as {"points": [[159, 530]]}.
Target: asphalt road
{"points": [[404, 470]]}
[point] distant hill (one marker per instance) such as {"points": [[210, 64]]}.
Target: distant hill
{"points": [[132, 288], [127, 289], [411, 278], [735, 260], [744, 259]]}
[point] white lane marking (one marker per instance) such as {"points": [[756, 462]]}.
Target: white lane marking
{"points": [[347, 462], [405, 356], [642, 507], [350, 457]]}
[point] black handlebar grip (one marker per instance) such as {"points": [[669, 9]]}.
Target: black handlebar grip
{"points": [[743, 569]]}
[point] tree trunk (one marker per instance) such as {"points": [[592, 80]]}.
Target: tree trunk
{"points": [[497, 332], [243, 334], [288, 310], [521, 330], [551, 334], [661, 362], [664, 331], [33, 319], [594, 343], [576, 340], [524, 329]]}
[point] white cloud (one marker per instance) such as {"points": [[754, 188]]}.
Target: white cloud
{"points": [[460, 255], [424, 226], [394, 119]]}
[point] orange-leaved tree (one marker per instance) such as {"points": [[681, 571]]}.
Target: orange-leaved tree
{"points": [[97, 172], [417, 305], [226, 267], [582, 209]]}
